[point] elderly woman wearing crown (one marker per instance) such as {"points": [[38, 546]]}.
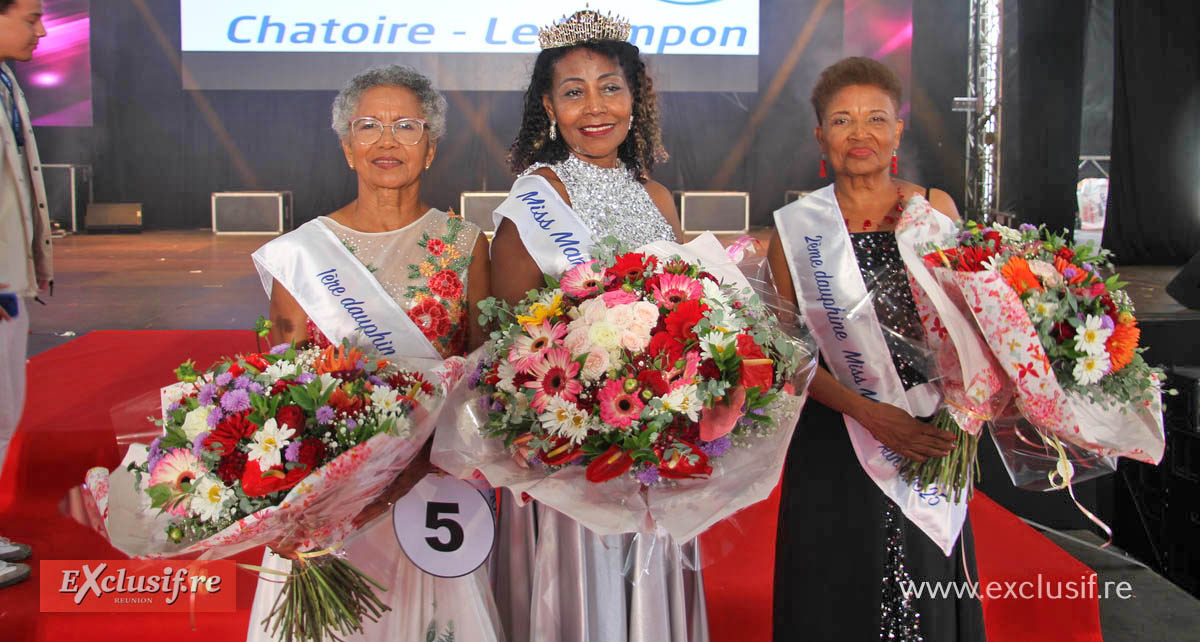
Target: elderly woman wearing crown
{"points": [[588, 139]]}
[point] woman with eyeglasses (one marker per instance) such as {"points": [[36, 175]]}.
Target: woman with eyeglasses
{"points": [[433, 270]]}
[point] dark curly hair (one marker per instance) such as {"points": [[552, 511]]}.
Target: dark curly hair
{"points": [[640, 149], [856, 70]]}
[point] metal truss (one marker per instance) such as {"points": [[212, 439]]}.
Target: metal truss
{"points": [[982, 106]]}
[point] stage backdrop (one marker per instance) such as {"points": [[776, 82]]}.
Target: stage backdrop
{"points": [[155, 142]]}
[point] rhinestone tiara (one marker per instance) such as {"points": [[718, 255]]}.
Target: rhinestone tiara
{"points": [[581, 26]]}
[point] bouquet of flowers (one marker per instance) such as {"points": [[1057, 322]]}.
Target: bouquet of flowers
{"points": [[637, 372], [281, 448], [1064, 334]]}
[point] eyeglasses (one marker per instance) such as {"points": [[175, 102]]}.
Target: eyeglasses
{"points": [[368, 131]]}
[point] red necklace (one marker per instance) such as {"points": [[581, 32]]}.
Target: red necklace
{"points": [[888, 219]]}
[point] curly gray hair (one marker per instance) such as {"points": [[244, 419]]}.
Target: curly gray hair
{"points": [[433, 103]]}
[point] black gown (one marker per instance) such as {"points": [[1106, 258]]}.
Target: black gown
{"points": [[843, 547]]}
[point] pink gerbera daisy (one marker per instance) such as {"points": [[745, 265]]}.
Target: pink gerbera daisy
{"points": [[555, 376], [584, 280], [673, 289], [531, 347], [619, 408], [179, 466]]}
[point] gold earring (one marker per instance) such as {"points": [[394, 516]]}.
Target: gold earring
{"points": [[553, 126]]}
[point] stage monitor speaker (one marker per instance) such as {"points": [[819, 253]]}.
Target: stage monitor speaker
{"points": [[794, 195], [114, 217], [1185, 287], [251, 212], [718, 212], [477, 207]]}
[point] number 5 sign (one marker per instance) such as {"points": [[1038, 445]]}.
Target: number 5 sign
{"points": [[444, 526]]}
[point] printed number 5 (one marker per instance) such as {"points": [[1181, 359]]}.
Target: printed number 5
{"points": [[433, 522]]}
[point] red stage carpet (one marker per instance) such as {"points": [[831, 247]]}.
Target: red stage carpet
{"points": [[68, 428]]}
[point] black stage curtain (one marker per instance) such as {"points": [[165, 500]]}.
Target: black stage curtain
{"points": [[1153, 202], [1049, 59]]}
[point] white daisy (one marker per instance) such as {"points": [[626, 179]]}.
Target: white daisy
{"points": [[716, 341], [565, 419], [507, 373], [328, 381], [1007, 234], [386, 400], [1091, 368], [269, 442], [1041, 308], [1091, 336], [210, 498], [683, 400]]}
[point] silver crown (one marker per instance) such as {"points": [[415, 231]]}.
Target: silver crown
{"points": [[582, 26]]}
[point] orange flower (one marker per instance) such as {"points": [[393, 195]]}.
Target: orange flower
{"points": [[1062, 264], [338, 359], [1121, 344], [1017, 273]]}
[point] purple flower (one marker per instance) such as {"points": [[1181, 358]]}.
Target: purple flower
{"points": [[324, 415], [242, 382], [206, 394], [255, 388], [214, 417], [281, 348], [474, 377], [236, 401], [223, 379], [351, 424], [1070, 272], [716, 447], [647, 475], [360, 364], [306, 378], [484, 403], [1089, 267], [292, 452], [1026, 227], [155, 454], [375, 381], [173, 407], [1106, 322], [198, 444]]}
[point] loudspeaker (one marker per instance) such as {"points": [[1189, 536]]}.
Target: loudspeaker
{"points": [[251, 212], [720, 212], [477, 207], [114, 217], [1185, 287]]}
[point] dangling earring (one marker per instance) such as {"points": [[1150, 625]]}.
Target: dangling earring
{"points": [[553, 127], [895, 164], [631, 121], [352, 165], [822, 173]]}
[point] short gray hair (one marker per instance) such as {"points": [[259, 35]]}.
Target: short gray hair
{"points": [[433, 103]]}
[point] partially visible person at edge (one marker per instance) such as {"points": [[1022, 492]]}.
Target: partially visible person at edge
{"points": [[26, 265], [588, 140], [838, 533], [434, 267]]}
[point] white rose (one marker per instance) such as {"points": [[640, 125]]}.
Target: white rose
{"points": [[592, 311], [605, 335], [196, 422], [621, 315]]}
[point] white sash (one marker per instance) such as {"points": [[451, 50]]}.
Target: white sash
{"points": [[835, 304], [551, 231], [337, 291]]}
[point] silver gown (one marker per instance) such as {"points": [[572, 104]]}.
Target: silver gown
{"points": [[556, 581]]}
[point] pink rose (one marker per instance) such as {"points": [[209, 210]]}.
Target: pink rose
{"points": [[618, 297], [645, 314], [596, 364]]}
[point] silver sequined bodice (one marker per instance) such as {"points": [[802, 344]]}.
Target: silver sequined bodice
{"points": [[611, 202]]}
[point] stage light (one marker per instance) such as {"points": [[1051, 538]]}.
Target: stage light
{"points": [[47, 79]]}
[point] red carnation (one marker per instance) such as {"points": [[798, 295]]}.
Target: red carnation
{"points": [[258, 483], [236, 370], [654, 380], [432, 317], [709, 370], [631, 265], [1098, 289], [759, 375], [681, 322], [706, 275], [1065, 253], [292, 416], [257, 361], [446, 284], [435, 247], [232, 429], [231, 467]]}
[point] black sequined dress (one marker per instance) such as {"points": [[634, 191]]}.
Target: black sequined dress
{"points": [[844, 548]]}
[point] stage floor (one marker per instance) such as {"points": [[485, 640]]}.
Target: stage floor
{"points": [[196, 280]]}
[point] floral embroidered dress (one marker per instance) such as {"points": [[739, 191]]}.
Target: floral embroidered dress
{"points": [[423, 266]]}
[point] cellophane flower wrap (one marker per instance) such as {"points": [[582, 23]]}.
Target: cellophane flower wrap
{"points": [[282, 448], [1063, 332], [644, 390]]}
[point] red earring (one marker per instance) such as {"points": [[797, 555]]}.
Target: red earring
{"points": [[895, 164], [822, 172]]}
